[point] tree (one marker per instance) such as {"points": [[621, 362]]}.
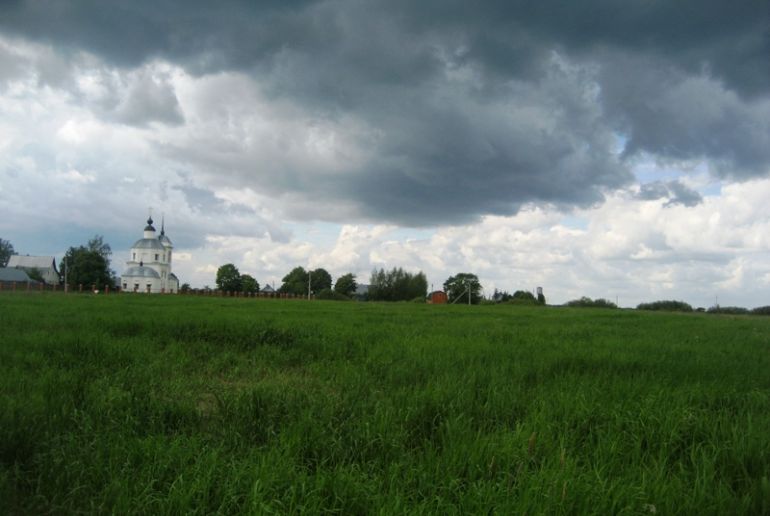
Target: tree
{"points": [[88, 267], [98, 245], [228, 278], [524, 295], [397, 285], [457, 288], [346, 284], [35, 274], [320, 280], [248, 284], [6, 251], [295, 282], [185, 288]]}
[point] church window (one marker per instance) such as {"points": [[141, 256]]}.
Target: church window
{"points": [[133, 256], [156, 257]]}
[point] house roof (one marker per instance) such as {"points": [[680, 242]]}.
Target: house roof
{"points": [[361, 290], [32, 262], [268, 288], [9, 274]]}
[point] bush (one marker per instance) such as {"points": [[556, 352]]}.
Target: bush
{"points": [[328, 294], [732, 310], [521, 301], [587, 302], [761, 310], [666, 306]]}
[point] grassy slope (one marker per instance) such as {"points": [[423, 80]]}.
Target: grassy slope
{"points": [[171, 404]]}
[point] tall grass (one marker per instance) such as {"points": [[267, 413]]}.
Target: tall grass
{"points": [[167, 404]]}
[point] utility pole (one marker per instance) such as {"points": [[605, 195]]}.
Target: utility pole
{"points": [[309, 272], [469, 293]]}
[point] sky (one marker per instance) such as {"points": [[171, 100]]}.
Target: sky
{"points": [[609, 149]]}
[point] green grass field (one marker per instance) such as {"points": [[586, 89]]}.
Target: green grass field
{"points": [[170, 405]]}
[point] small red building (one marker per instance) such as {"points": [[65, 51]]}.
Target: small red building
{"points": [[438, 297]]}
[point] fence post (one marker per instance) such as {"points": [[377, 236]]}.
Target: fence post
{"points": [[14, 286], [106, 289], [80, 288]]}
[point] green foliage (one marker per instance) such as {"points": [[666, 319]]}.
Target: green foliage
{"points": [[248, 284], [88, 265], [761, 310], [328, 294], [185, 288], [397, 285], [346, 284], [195, 404], [228, 278], [520, 297], [457, 288], [666, 306], [6, 251], [521, 301], [524, 295], [35, 274], [320, 280], [99, 246], [295, 282], [730, 310], [587, 302]]}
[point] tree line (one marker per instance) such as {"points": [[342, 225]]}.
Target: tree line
{"points": [[298, 282]]}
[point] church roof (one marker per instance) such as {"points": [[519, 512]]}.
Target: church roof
{"points": [[148, 243], [140, 271]]}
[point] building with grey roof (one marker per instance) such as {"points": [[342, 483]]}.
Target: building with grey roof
{"points": [[45, 265], [9, 276]]}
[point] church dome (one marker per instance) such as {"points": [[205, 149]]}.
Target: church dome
{"points": [[149, 226], [141, 272], [148, 243]]}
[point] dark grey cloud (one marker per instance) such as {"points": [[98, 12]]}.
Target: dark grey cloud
{"points": [[477, 107], [674, 191], [149, 100]]}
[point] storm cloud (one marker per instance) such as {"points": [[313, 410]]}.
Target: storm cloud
{"points": [[424, 113]]}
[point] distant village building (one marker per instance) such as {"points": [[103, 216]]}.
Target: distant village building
{"points": [[437, 297], [149, 268], [45, 265], [268, 289], [10, 277], [361, 293]]}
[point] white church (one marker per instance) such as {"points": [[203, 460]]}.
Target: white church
{"points": [[149, 269]]}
